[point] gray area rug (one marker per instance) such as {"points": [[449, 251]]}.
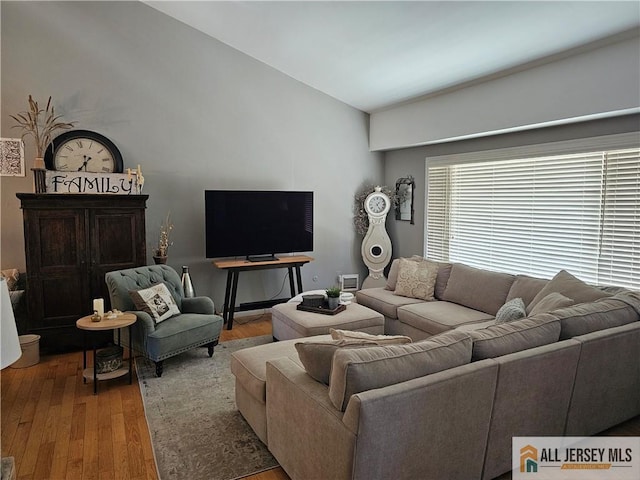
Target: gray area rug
{"points": [[196, 429]]}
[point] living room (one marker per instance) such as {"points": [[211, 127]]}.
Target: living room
{"points": [[197, 114]]}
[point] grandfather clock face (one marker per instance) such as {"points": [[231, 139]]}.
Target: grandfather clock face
{"points": [[376, 246]]}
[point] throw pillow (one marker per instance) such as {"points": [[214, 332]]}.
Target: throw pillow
{"points": [[512, 310], [156, 301], [316, 357], [367, 337], [11, 275], [392, 278], [570, 287], [416, 279], [356, 370], [551, 302]]}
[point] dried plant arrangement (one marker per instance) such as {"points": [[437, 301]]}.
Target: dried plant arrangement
{"points": [[360, 218], [164, 241], [40, 123]]}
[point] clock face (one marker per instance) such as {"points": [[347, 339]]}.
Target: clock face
{"points": [[83, 155], [377, 204], [83, 151]]}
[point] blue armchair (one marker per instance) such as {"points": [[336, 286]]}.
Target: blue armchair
{"points": [[196, 325]]}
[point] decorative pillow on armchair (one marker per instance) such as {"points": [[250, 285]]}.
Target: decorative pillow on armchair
{"points": [[156, 301]]}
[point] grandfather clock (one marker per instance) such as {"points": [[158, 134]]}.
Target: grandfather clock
{"points": [[376, 246]]}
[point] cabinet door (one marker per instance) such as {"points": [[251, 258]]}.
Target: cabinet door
{"points": [[117, 242], [56, 268]]}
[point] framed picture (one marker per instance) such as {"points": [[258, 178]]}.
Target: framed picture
{"points": [[11, 157]]}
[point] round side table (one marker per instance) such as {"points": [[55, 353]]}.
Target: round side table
{"points": [[121, 321]]}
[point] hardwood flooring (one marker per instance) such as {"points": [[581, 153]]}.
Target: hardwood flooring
{"points": [[55, 427]]}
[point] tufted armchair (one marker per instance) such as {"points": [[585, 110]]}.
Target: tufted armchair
{"points": [[197, 324]]}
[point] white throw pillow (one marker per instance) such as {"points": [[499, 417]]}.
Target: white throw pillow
{"points": [[156, 301]]}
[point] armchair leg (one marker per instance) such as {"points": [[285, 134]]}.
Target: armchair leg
{"points": [[159, 368], [210, 347]]}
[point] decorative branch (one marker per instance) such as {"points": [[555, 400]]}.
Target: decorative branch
{"points": [[40, 128]]}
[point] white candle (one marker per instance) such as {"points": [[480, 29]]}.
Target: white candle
{"points": [[98, 305]]}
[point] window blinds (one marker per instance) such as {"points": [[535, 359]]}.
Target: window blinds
{"points": [[579, 212]]}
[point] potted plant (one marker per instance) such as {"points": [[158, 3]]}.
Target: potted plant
{"points": [[161, 252], [333, 297]]}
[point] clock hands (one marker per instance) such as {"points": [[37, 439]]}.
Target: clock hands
{"points": [[84, 164]]}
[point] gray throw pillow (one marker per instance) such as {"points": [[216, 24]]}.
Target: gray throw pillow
{"points": [[551, 302], [514, 309], [316, 357]]}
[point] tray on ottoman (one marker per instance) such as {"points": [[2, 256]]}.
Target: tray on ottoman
{"points": [[323, 309]]}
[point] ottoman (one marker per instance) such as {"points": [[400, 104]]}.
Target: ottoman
{"points": [[249, 366], [288, 322]]}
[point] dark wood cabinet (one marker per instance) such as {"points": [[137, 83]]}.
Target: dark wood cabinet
{"points": [[71, 241]]}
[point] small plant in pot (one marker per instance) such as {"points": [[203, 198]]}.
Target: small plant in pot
{"points": [[333, 297]]}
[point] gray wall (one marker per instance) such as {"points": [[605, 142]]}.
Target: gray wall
{"points": [[409, 239], [195, 114]]}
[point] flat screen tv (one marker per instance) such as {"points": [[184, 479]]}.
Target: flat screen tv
{"points": [[257, 224]]}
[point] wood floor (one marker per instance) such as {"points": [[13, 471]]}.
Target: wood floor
{"points": [[55, 427]]}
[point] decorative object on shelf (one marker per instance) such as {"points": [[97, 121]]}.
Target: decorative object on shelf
{"points": [[333, 297], [139, 179], [86, 182], [313, 300], [109, 359], [187, 286], [98, 306], [11, 157], [41, 125], [404, 193], [360, 218], [83, 151], [376, 245], [96, 317], [162, 250]]}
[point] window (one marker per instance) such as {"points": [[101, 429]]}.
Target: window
{"points": [[522, 213]]}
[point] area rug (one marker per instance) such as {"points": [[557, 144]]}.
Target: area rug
{"points": [[196, 430]]}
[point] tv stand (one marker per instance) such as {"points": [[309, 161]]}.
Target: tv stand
{"points": [[262, 258], [234, 267]]}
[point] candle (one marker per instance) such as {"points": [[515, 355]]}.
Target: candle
{"points": [[98, 306], [128, 174], [139, 171]]}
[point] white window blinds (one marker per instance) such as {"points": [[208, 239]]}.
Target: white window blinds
{"points": [[579, 212]]}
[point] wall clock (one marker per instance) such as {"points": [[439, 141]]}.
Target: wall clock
{"points": [[83, 151], [376, 246]]}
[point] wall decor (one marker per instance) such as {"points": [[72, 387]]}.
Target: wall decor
{"points": [[86, 182], [83, 151], [11, 157], [404, 193]]}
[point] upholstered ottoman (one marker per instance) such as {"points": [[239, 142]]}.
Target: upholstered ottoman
{"points": [[249, 366], [288, 322]]}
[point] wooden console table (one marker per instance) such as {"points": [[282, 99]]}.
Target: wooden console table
{"points": [[234, 267]]}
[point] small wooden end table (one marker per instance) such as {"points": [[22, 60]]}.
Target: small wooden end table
{"points": [[121, 321]]}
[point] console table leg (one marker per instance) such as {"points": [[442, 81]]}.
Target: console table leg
{"points": [[299, 278], [232, 303], [292, 286], [227, 294]]}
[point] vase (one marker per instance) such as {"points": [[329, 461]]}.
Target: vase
{"points": [[333, 302], [187, 286], [159, 260]]}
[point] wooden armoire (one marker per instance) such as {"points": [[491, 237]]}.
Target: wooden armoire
{"points": [[71, 241]]}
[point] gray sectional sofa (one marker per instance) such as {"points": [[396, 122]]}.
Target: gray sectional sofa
{"points": [[448, 404]]}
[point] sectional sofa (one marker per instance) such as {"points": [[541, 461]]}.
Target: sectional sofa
{"points": [[448, 404]]}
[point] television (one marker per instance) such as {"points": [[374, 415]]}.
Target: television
{"points": [[257, 224]]}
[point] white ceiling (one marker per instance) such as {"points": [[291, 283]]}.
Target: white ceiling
{"points": [[375, 54]]}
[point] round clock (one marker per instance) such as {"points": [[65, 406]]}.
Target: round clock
{"points": [[83, 151], [377, 203]]}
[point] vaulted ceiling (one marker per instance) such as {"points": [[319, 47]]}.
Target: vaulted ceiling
{"points": [[375, 54]]}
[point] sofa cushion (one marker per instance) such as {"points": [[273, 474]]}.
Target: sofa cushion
{"points": [[526, 288], [337, 334], [444, 271], [570, 287], [436, 317], [593, 316], [416, 279], [362, 369], [156, 301], [551, 302], [383, 301], [511, 337], [478, 289], [514, 309], [317, 356]]}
